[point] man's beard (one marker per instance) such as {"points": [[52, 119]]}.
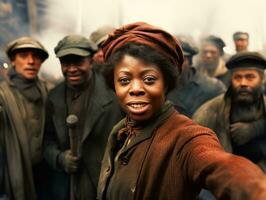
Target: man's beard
{"points": [[245, 96]]}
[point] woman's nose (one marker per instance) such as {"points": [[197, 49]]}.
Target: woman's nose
{"points": [[136, 88]]}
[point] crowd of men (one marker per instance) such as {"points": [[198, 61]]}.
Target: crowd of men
{"points": [[52, 138]]}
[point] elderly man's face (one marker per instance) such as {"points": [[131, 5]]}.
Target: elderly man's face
{"points": [[246, 85], [210, 53], [241, 44], [27, 62]]}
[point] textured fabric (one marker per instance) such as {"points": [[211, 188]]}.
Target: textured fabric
{"points": [[147, 34], [30, 115], [118, 188], [179, 159]]}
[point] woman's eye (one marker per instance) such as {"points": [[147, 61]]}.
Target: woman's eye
{"points": [[149, 79], [123, 81]]}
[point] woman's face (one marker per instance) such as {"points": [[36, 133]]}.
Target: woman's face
{"points": [[139, 87]]}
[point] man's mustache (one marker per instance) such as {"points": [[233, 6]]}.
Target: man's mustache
{"points": [[244, 90]]}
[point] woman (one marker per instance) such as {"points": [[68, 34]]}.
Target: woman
{"points": [[155, 152]]}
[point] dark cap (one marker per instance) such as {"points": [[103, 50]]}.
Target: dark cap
{"points": [[246, 60], [218, 42], [26, 43], [75, 45], [240, 35], [101, 34], [188, 49]]}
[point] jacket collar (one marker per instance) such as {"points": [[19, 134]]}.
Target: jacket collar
{"points": [[111, 148], [98, 99]]}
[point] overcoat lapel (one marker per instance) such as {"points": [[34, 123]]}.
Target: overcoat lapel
{"points": [[60, 115], [99, 98]]}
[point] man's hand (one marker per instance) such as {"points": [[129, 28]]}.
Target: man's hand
{"points": [[242, 132], [69, 162]]}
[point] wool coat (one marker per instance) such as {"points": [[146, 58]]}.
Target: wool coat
{"points": [[175, 161], [215, 114], [16, 179], [102, 112]]}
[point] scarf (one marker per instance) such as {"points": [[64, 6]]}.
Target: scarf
{"points": [[27, 87], [132, 128]]}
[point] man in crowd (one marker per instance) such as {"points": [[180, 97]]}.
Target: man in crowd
{"points": [[22, 119], [84, 94], [241, 40], [98, 37], [193, 88], [211, 61], [238, 116]]}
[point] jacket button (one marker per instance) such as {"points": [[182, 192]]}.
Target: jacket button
{"points": [[133, 189], [124, 160], [108, 169]]}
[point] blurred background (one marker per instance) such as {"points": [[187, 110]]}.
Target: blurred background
{"points": [[50, 20]]}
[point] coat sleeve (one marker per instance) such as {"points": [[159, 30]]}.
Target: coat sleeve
{"points": [[3, 194], [2, 156], [228, 176], [51, 147], [206, 115]]}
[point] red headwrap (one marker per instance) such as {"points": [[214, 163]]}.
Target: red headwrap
{"points": [[147, 34]]}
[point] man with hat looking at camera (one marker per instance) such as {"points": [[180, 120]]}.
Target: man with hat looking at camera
{"points": [[22, 118], [238, 116], [84, 94], [241, 40]]}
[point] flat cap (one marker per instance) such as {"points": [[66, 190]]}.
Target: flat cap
{"points": [[74, 45], [26, 43], [246, 60], [101, 34], [240, 35], [188, 49], [216, 41]]}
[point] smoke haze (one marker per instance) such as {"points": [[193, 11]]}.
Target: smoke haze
{"points": [[196, 18]]}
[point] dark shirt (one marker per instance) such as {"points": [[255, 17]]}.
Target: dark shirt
{"points": [[248, 113], [193, 89]]}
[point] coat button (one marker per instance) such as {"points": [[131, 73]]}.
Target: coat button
{"points": [[108, 169], [124, 160], [133, 189]]}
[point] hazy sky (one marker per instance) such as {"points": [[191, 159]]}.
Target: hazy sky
{"points": [[193, 17]]}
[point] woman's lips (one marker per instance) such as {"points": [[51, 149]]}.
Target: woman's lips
{"points": [[138, 108]]}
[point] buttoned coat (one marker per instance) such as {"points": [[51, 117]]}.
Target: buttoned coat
{"points": [[102, 112], [176, 161]]}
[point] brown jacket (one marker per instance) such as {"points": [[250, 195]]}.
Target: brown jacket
{"points": [[176, 161]]}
